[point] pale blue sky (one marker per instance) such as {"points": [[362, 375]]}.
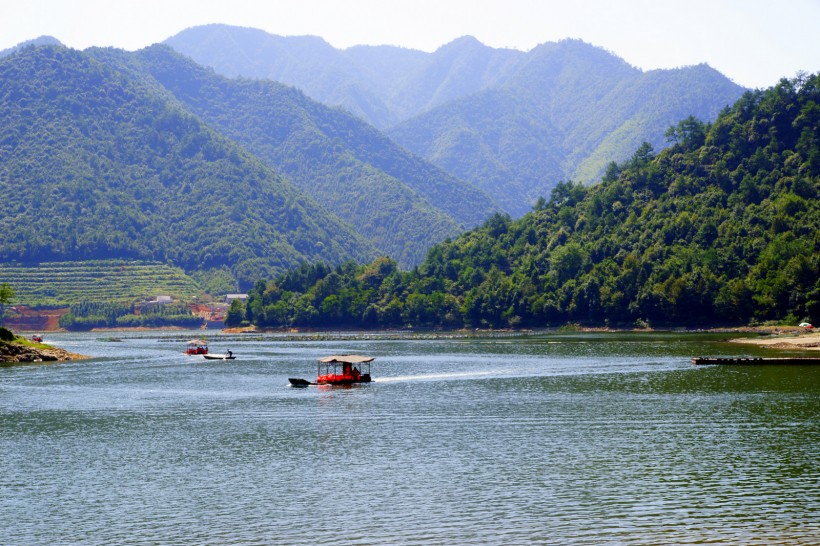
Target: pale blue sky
{"points": [[754, 42]]}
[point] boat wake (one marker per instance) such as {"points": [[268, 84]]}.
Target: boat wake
{"points": [[438, 376]]}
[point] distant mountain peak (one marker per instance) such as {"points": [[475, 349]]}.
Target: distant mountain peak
{"points": [[216, 29], [463, 42], [36, 42]]}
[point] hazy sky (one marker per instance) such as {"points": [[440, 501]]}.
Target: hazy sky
{"points": [[754, 42]]}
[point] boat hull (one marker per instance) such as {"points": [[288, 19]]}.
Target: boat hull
{"points": [[342, 379]]}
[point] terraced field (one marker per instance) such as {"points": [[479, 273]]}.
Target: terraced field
{"points": [[63, 283]]}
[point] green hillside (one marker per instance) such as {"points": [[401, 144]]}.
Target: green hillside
{"points": [[399, 202], [564, 114], [57, 284], [722, 227], [97, 162]]}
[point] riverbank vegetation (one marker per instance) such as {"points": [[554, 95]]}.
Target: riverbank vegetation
{"points": [[721, 227], [88, 315]]}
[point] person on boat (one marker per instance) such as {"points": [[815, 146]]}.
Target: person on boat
{"points": [[357, 375], [230, 354]]}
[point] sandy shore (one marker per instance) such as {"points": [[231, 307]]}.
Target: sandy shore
{"points": [[789, 340]]}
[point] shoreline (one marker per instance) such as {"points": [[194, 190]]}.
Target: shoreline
{"points": [[770, 337], [20, 353], [788, 340]]}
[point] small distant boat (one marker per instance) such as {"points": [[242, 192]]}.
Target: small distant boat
{"points": [[354, 369], [37, 339], [227, 356]]}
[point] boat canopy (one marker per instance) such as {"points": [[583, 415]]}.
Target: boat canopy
{"points": [[197, 342], [347, 359]]}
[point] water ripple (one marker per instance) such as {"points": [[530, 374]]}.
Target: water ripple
{"points": [[455, 443]]}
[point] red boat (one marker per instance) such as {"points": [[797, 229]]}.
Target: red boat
{"points": [[197, 347], [339, 370]]}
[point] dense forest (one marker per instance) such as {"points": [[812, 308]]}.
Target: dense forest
{"points": [[88, 315], [721, 227]]}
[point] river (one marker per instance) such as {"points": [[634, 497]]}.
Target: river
{"points": [[562, 438]]}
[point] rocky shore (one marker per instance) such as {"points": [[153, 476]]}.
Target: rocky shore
{"points": [[19, 352]]}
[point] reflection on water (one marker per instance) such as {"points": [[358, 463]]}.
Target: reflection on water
{"points": [[593, 438]]}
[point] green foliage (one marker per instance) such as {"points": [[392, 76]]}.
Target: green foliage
{"points": [[216, 282], [87, 315], [6, 293], [722, 227], [235, 315], [689, 133], [6, 296]]}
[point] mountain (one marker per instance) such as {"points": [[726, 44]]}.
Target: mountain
{"points": [[306, 62], [382, 84], [509, 122], [720, 228], [398, 201], [97, 161], [564, 115]]}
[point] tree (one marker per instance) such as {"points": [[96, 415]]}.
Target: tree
{"points": [[6, 294], [235, 314], [690, 132], [567, 194]]}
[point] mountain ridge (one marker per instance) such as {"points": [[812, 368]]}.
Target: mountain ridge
{"points": [[580, 95]]}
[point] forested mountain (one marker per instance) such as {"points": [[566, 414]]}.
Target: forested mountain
{"points": [[722, 227], [511, 122], [564, 114], [398, 201], [97, 162]]}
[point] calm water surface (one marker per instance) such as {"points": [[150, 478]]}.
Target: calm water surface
{"points": [[555, 439]]}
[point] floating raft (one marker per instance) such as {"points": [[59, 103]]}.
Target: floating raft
{"points": [[706, 360]]}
